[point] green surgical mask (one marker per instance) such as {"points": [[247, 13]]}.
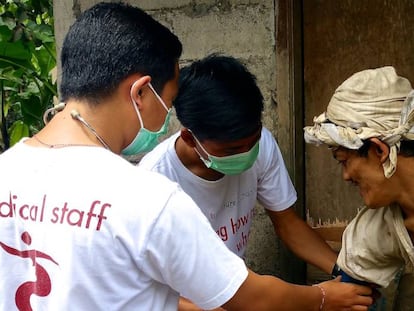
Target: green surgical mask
{"points": [[230, 165], [146, 140]]}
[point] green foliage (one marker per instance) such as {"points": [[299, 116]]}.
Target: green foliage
{"points": [[27, 59]]}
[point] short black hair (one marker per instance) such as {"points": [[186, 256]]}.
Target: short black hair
{"points": [[363, 150], [406, 148], [218, 99], [111, 41]]}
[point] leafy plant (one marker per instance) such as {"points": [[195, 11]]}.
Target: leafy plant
{"points": [[27, 60]]}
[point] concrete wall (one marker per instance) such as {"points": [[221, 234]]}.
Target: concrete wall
{"points": [[244, 29]]}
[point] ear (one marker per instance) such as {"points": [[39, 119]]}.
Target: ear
{"points": [[382, 150], [136, 89], [188, 137]]}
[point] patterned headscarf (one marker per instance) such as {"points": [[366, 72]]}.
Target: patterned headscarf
{"points": [[371, 103]]}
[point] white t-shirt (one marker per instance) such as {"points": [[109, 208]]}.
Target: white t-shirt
{"points": [[83, 229], [229, 202]]}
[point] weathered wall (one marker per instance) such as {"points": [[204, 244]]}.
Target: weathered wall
{"points": [[339, 40], [241, 28]]}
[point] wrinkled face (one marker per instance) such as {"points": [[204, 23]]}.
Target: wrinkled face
{"points": [[367, 174]]}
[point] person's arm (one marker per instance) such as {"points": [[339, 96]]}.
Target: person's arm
{"points": [[184, 252], [186, 305], [263, 292], [302, 240], [269, 293]]}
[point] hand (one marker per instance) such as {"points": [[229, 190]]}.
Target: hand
{"points": [[186, 305], [346, 296]]}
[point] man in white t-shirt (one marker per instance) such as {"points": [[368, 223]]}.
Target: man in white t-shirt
{"points": [[81, 228], [227, 161]]}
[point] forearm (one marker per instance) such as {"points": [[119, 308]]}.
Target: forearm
{"points": [[264, 293], [302, 240], [186, 305], [310, 247]]}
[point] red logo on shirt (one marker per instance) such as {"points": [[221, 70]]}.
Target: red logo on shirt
{"points": [[42, 286]]}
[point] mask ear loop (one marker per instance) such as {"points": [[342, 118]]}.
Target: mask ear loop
{"points": [[135, 106], [201, 146], [207, 163], [158, 97]]}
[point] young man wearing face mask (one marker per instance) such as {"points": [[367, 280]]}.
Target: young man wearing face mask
{"points": [[227, 161], [86, 229]]}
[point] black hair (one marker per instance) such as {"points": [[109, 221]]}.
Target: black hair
{"points": [[218, 99], [363, 150], [111, 41], [406, 148]]}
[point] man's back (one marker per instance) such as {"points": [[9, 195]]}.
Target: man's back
{"points": [[74, 244]]}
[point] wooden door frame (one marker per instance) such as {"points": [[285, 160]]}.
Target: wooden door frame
{"points": [[289, 105]]}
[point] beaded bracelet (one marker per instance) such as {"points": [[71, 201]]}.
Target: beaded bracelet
{"points": [[323, 295]]}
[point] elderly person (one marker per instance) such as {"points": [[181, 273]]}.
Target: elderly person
{"points": [[369, 126]]}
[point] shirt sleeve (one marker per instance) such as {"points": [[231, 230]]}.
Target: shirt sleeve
{"points": [[275, 189], [184, 252]]}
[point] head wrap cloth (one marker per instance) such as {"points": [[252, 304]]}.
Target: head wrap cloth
{"points": [[371, 103]]}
